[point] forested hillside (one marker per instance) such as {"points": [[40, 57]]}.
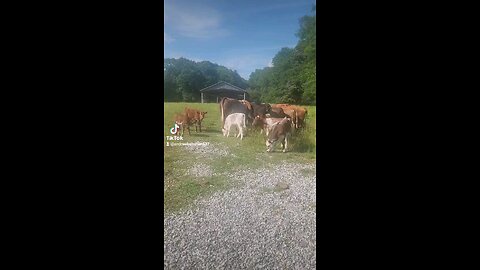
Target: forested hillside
{"points": [[291, 79], [184, 78]]}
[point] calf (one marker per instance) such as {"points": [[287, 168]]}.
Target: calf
{"points": [[183, 121], [265, 123], [196, 116], [235, 119], [280, 133]]}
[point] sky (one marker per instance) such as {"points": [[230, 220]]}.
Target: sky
{"points": [[240, 35]]}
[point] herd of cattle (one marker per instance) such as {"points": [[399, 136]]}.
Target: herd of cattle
{"points": [[278, 121]]}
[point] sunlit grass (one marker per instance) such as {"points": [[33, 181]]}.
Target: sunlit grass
{"points": [[248, 154]]}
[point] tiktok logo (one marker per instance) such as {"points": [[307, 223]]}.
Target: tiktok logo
{"points": [[174, 129]]}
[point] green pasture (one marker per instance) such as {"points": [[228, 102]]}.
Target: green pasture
{"points": [[180, 188]]}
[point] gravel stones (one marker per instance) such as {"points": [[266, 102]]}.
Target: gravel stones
{"points": [[246, 227], [200, 170], [206, 150]]}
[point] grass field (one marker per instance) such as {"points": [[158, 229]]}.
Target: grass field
{"points": [[181, 186]]}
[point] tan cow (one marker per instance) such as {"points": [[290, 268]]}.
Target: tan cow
{"points": [[301, 114], [184, 122], [297, 113], [196, 116]]}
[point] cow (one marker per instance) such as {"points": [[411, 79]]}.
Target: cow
{"points": [[292, 114], [196, 117], [235, 119], [279, 133], [183, 122], [229, 106], [277, 113], [265, 123], [261, 109], [292, 111], [301, 114]]}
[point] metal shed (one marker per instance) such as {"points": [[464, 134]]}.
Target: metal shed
{"points": [[224, 89]]}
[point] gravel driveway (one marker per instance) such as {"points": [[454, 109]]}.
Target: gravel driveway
{"points": [[266, 222]]}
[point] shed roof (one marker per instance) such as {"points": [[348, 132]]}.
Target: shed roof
{"points": [[222, 87]]}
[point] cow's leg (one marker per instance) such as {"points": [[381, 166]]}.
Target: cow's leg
{"points": [[286, 144], [200, 126], [241, 133]]}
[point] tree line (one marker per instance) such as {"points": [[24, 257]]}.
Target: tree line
{"points": [[291, 79], [183, 78]]}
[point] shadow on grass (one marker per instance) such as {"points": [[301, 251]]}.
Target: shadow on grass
{"points": [[198, 135], [214, 131]]}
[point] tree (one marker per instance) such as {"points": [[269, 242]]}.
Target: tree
{"points": [[183, 78], [292, 78]]}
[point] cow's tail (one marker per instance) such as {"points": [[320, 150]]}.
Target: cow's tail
{"points": [[244, 116], [296, 119]]}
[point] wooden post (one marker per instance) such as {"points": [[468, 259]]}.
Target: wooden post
{"points": [[202, 96], [243, 95], [217, 99]]}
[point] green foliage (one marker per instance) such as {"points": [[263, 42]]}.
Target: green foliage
{"points": [[292, 79], [184, 78]]}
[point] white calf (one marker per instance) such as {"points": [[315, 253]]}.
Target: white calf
{"points": [[234, 119]]}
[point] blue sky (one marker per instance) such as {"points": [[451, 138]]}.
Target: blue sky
{"points": [[240, 35]]}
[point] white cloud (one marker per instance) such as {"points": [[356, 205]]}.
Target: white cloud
{"points": [[194, 21], [167, 38]]}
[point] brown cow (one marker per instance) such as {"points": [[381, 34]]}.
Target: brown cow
{"points": [[277, 113], [279, 133], [196, 117], [288, 110], [301, 114], [183, 121], [292, 114], [261, 109], [297, 113], [230, 105]]}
